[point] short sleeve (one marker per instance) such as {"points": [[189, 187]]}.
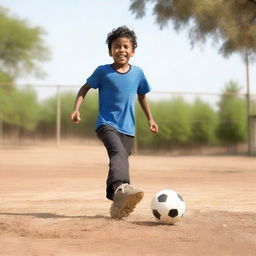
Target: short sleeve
{"points": [[144, 86], [94, 80]]}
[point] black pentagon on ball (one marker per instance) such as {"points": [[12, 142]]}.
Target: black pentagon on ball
{"points": [[173, 213], [156, 214], [162, 198], [180, 197]]}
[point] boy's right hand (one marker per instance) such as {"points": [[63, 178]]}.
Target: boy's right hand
{"points": [[75, 117]]}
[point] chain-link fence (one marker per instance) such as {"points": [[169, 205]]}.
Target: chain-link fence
{"points": [[189, 123]]}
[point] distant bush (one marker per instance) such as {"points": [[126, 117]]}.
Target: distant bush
{"points": [[181, 124], [203, 121], [19, 107], [88, 110], [232, 127]]}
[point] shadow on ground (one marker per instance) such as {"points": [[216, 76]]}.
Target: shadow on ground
{"points": [[45, 215]]}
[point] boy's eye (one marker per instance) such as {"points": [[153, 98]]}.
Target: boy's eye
{"points": [[119, 46]]}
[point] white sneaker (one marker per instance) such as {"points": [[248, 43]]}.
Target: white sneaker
{"points": [[125, 199]]}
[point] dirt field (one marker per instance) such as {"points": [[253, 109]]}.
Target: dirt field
{"points": [[52, 202]]}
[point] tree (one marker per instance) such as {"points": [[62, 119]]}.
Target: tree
{"points": [[232, 116], [21, 47], [19, 107], [203, 122], [230, 24], [47, 122], [173, 117], [233, 21]]}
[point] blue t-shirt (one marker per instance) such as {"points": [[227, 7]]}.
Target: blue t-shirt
{"points": [[117, 92]]}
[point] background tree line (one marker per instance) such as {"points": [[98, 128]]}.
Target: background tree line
{"points": [[181, 123], [231, 25], [22, 49]]}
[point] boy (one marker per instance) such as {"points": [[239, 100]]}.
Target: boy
{"points": [[118, 85]]}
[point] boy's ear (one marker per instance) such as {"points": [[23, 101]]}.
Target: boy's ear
{"points": [[133, 52], [109, 52]]}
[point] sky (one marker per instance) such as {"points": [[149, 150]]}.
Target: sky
{"points": [[76, 32]]}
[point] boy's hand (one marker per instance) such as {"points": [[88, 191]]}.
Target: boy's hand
{"points": [[75, 117], [153, 126]]}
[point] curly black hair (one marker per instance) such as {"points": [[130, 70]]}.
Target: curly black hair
{"points": [[122, 31]]}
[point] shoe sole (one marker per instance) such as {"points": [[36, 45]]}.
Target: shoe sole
{"points": [[127, 206]]}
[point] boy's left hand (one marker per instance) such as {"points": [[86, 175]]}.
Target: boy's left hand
{"points": [[153, 126]]}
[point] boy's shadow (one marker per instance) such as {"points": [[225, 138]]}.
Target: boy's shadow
{"points": [[46, 215]]}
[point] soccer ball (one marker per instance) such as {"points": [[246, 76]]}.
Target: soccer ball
{"points": [[168, 206]]}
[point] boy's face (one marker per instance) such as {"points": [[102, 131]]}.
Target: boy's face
{"points": [[121, 50]]}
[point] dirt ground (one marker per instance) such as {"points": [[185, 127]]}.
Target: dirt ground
{"points": [[52, 203]]}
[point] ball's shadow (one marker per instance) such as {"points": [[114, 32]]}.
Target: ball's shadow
{"points": [[149, 223]]}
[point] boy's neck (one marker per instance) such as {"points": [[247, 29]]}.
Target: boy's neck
{"points": [[121, 68]]}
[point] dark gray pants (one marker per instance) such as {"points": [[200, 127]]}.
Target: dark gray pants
{"points": [[119, 147]]}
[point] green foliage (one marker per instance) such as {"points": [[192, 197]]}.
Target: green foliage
{"points": [[88, 115], [180, 124], [89, 111], [175, 121], [232, 116], [47, 121], [203, 122], [5, 78], [232, 21], [19, 107], [21, 46]]}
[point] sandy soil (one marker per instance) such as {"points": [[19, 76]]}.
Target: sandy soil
{"points": [[52, 202]]}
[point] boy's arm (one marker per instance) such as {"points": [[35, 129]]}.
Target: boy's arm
{"points": [[146, 108], [75, 116]]}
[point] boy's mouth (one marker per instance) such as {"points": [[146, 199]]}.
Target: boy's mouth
{"points": [[121, 56]]}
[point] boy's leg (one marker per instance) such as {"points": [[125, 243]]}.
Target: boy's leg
{"points": [[119, 148], [128, 142], [124, 196]]}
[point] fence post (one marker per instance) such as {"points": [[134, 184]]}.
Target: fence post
{"points": [[58, 116], [252, 143], [248, 104], [1, 132]]}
